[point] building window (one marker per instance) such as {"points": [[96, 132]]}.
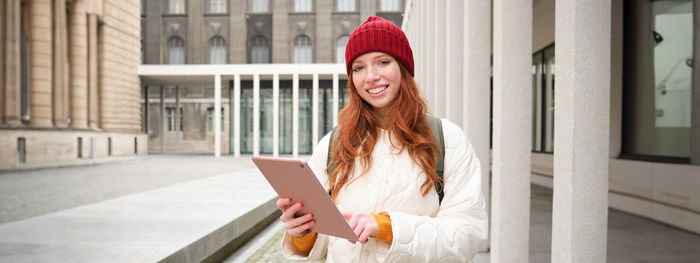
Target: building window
{"points": [[217, 50], [302, 49], [346, 5], [210, 119], [259, 50], [657, 79], [171, 118], [260, 6], [176, 51], [176, 6], [340, 49], [217, 6], [390, 5], [543, 100], [302, 6]]}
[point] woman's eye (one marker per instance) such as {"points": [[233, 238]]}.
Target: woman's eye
{"points": [[358, 68], [384, 62]]}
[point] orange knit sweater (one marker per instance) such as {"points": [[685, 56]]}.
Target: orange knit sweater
{"points": [[305, 243]]}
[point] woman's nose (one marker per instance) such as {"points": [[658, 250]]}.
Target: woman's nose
{"points": [[372, 73]]}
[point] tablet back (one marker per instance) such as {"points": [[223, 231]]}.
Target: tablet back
{"points": [[294, 179]]}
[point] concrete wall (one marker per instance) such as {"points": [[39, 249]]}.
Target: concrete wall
{"points": [[46, 148], [67, 48]]}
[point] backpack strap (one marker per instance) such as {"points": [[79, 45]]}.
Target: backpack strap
{"points": [[436, 126], [329, 157]]}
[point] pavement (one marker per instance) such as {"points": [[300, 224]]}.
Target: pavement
{"points": [[152, 209], [631, 238]]}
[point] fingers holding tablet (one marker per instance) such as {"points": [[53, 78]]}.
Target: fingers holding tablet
{"points": [[296, 225]]}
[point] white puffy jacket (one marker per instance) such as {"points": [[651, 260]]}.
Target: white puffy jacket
{"points": [[423, 230]]}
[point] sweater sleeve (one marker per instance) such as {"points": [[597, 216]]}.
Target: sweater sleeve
{"points": [[460, 227], [305, 243], [383, 227]]}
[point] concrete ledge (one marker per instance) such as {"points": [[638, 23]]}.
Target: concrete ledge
{"points": [[189, 222]]}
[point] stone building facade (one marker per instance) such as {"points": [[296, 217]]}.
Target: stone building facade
{"points": [[70, 90], [240, 32]]}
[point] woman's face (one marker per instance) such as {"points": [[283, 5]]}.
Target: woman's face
{"points": [[377, 78]]}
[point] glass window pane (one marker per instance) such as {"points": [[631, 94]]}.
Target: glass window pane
{"points": [[217, 6], [302, 6], [176, 6], [390, 5], [302, 49], [217, 50], [260, 50], [346, 5], [340, 49], [549, 99], [260, 6], [176, 51], [537, 102], [657, 78]]}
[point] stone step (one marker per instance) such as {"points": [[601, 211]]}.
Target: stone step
{"points": [[201, 220]]}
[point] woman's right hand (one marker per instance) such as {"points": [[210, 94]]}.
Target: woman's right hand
{"points": [[295, 226]]}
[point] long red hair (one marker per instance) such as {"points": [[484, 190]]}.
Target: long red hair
{"points": [[358, 132]]}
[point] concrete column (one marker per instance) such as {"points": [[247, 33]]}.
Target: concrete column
{"points": [[40, 63], [280, 35], [324, 42], [3, 22], [441, 60], [454, 59], [475, 97], [237, 115], [237, 46], [580, 200], [367, 8], [146, 111], [428, 49], [163, 121], [94, 111], [217, 115], [195, 43], [177, 119], [12, 64], [512, 128], [256, 114], [78, 51], [61, 102], [695, 128]]}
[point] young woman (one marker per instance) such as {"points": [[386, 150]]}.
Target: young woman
{"points": [[384, 160]]}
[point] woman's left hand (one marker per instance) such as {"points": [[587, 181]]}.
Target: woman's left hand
{"points": [[363, 224]]}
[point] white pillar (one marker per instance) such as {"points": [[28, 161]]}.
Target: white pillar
{"points": [[217, 115], [581, 156], [237, 115], [314, 112], [453, 57], [256, 114], [512, 127], [177, 119], [295, 115], [441, 44], [475, 96], [275, 115], [336, 103]]}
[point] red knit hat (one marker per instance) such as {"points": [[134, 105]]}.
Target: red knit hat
{"points": [[377, 34]]}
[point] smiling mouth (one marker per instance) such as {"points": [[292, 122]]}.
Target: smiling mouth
{"points": [[377, 90]]}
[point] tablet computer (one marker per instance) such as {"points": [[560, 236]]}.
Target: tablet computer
{"points": [[294, 179]]}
